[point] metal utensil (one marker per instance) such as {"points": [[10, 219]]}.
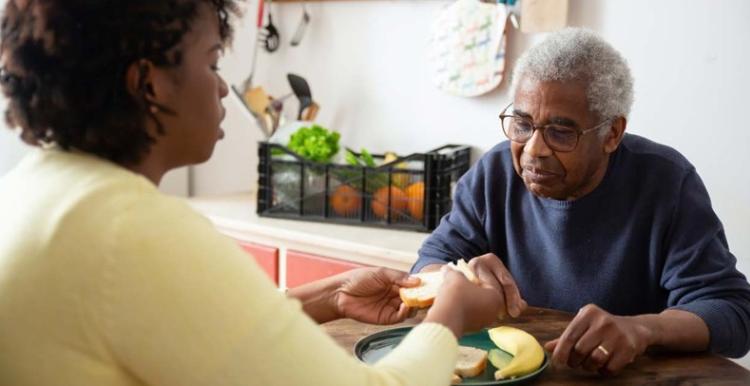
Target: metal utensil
{"points": [[259, 24], [301, 27], [270, 34]]}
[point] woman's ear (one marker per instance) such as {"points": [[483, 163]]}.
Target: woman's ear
{"points": [[616, 132], [139, 79], [153, 85]]}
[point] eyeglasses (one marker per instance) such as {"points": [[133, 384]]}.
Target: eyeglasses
{"points": [[558, 137]]}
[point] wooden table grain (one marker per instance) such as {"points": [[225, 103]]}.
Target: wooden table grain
{"points": [[652, 368]]}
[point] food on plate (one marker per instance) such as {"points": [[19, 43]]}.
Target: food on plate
{"points": [[423, 295], [498, 358], [471, 361], [455, 379], [527, 353]]}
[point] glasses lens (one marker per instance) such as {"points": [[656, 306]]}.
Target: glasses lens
{"points": [[517, 129], [560, 138]]}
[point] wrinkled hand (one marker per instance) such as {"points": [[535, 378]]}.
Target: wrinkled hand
{"points": [[370, 295], [599, 341], [491, 271]]}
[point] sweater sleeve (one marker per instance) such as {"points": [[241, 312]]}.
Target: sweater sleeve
{"points": [[184, 305], [700, 272], [461, 232]]}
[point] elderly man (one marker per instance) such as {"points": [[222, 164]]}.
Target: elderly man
{"points": [[574, 214]]}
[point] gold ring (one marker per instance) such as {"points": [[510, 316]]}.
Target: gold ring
{"points": [[603, 350]]}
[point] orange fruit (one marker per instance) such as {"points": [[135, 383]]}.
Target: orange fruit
{"points": [[346, 201], [415, 196], [379, 203]]}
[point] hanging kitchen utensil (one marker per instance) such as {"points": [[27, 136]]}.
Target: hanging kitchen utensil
{"points": [[310, 112], [270, 34], [468, 47], [308, 109], [258, 25], [253, 102], [301, 27]]}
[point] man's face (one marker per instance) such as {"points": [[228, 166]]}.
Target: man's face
{"points": [[545, 172]]}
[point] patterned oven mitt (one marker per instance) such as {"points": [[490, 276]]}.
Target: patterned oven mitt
{"points": [[467, 47]]}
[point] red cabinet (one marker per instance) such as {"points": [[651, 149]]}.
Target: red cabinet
{"points": [[303, 268], [266, 257]]}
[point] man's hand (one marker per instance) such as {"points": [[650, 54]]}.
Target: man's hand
{"points": [[370, 295], [492, 272], [599, 341]]}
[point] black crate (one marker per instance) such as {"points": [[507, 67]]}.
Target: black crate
{"points": [[292, 187]]}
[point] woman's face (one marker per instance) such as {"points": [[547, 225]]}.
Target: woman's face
{"points": [[193, 91]]}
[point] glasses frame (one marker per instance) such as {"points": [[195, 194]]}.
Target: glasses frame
{"points": [[543, 129]]}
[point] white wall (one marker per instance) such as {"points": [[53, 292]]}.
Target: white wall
{"points": [[366, 64]]}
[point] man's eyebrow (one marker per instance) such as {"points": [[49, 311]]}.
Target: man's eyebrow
{"points": [[557, 120], [563, 121]]}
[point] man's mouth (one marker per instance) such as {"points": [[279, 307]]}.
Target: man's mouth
{"points": [[537, 175]]}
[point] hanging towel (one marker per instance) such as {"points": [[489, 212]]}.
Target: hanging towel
{"points": [[467, 48]]}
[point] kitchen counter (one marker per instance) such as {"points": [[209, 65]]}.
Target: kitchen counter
{"points": [[234, 215]]}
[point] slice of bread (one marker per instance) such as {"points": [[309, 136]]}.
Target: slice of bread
{"points": [[471, 361], [455, 379], [463, 267], [423, 295]]}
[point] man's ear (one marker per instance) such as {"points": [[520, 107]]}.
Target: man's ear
{"points": [[615, 134]]}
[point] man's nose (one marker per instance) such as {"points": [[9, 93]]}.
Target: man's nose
{"points": [[536, 147]]}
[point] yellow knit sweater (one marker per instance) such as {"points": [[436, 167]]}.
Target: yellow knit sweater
{"points": [[105, 281]]}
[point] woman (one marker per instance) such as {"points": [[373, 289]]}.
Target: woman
{"points": [[104, 281]]}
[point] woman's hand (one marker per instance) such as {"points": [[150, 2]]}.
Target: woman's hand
{"points": [[463, 306], [371, 295]]}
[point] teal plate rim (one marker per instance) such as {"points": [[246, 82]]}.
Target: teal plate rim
{"points": [[363, 345]]}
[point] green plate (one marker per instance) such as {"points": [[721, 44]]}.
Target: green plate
{"points": [[373, 347]]}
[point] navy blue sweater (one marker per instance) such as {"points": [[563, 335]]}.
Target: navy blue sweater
{"points": [[644, 240]]}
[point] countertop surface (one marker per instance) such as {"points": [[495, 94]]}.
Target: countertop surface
{"points": [[235, 216]]}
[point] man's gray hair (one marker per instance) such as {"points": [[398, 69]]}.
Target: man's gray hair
{"points": [[581, 54]]}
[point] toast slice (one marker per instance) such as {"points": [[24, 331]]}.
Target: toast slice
{"points": [[471, 361], [463, 267], [423, 295]]}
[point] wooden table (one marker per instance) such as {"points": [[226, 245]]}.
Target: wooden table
{"points": [[650, 369]]}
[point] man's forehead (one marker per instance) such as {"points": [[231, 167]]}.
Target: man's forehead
{"points": [[566, 94]]}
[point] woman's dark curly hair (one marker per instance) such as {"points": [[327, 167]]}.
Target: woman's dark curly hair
{"points": [[64, 66]]}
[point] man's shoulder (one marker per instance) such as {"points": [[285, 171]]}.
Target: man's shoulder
{"points": [[642, 150], [499, 156]]}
